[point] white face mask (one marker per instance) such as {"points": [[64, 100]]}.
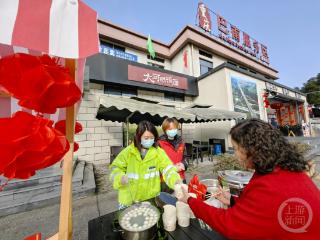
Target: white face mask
{"points": [[172, 133], [147, 143]]}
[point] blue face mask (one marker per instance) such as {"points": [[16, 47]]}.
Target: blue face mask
{"points": [[147, 143], [172, 133]]}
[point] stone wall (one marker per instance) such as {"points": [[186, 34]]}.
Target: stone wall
{"points": [[97, 135]]}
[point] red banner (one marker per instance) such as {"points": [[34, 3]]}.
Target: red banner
{"points": [[145, 75]]}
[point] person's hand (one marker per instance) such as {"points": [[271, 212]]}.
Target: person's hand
{"points": [[179, 167], [184, 195], [223, 196], [124, 180]]}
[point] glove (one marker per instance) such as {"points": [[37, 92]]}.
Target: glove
{"points": [[124, 180]]}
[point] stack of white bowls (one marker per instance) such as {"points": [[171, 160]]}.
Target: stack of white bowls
{"points": [[183, 214], [169, 217]]}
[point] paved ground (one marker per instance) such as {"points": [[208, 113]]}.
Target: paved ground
{"points": [[45, 220]]}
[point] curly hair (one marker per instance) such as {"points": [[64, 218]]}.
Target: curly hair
{"points": [[266, 147]]}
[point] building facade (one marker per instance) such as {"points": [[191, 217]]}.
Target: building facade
{"points": [[202, 70]]}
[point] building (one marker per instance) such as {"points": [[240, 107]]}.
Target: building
{"points": [[207, 71]]}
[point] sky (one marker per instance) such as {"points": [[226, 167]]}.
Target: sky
{"points": [[289, 28]]}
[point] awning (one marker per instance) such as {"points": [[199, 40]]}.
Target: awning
{"points": [[134, 110], [209, 114]]}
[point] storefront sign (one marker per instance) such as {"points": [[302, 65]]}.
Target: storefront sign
{"points": [[145, 75], [271, 87], [285, 91], [118, 53], [204, 17], [298, 96], [231, 34]]}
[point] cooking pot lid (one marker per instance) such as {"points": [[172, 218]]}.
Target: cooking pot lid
{"points": [[237, 176]]}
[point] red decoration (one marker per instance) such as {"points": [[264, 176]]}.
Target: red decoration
{"points": [[265, 100], [61, 126], [34, 237], [301, 108], [276, 105], [29, 143], [198, 188], [185, 58], [38, 82]]}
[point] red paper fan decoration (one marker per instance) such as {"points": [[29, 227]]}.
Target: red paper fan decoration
{"points": [[29, 143], [38, 82]]}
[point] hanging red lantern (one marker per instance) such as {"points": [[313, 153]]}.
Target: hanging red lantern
{"points": [[265, 100], [29, 143], [38, 82], [300, 108], [61, 126]]}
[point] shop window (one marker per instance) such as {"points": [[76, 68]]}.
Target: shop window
{"points": [[113, 46], [205, 66], [157, 59], [155, 65], [173, 97], [120, 91], [205, 54]]}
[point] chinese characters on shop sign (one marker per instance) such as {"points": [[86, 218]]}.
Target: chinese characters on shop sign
{"points": [[232, 35]]}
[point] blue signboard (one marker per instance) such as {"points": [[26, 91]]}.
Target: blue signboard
{"points": [[118, 54]]}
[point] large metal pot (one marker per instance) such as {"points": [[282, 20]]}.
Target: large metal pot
{"points": [[146, 234], [236, 180]]}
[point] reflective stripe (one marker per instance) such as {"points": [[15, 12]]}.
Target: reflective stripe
{"points": [[151, 175], [169, 175], [114, 175], [167, 169], [133, 175]]}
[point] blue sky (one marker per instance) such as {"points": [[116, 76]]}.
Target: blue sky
{"points": [[290, 28]]}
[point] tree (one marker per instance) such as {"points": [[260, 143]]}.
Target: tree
{"points": [[312, 85]]}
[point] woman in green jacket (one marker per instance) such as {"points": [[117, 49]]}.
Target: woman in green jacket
{"points": [[135, 172]]}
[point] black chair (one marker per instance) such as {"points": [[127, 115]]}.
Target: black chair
{"points": [[190, 153], [114, 151]]}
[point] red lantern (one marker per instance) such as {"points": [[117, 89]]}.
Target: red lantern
{"points": [[38, 82], [265, 100], [29, 143], [61, 126]]}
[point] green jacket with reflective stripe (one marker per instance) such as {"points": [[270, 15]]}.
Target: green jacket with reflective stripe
{"points": [[144, 175]]}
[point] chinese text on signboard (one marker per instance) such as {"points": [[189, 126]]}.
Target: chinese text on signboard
{"points": [[149, 76], [117, 53], [231, 34]]}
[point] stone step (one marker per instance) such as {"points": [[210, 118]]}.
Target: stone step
{"points": [[52, 194]]}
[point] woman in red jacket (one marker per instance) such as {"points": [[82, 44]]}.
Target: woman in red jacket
{"points": [[173, 145], [280, 201]]}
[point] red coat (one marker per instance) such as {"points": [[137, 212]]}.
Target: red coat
{"points": [[272, 206], [175, 154]]}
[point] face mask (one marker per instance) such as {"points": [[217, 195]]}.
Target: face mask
{"points": [[147, 143], [172, 133]]}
